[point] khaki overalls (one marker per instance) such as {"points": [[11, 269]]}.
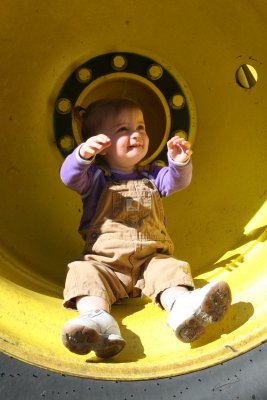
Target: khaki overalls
{"points": [[127, 248]]}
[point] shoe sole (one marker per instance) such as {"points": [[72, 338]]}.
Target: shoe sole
{"points": [[82, 340], [213, 308]]}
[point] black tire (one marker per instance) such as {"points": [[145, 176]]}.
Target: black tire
{"points": [[242, 378]]}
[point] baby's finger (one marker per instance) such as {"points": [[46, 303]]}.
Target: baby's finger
{"points": [[183, 143], [105, 144], [92, 145], [96, 146], [176, 140], [172, 142], [102, 138], [181, 140]]}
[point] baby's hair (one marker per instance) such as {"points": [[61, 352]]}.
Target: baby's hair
{"points": [[95, 114]]}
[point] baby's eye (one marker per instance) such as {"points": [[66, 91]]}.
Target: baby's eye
{"points": [[122, 129], [141, 128]]}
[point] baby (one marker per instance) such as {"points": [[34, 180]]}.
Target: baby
{"points": [[127, 249]]}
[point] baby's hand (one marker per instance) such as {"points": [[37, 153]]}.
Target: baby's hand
{"points": [[94, 145], [179, 149]]}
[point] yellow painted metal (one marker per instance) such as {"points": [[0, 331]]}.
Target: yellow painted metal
{"points": [[218, 224]]}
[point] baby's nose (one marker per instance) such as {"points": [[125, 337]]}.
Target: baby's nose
{"points": [[135, 134]]}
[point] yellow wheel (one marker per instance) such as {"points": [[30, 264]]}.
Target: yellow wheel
{"points": [[215, 58]]}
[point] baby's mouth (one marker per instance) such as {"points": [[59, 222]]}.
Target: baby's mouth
{"points": [[135, 145]]}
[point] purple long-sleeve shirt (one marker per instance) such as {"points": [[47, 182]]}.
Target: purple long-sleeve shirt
{"points": [[87, 179]]}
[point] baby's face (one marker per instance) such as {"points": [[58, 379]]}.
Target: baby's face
{"points": [[129, 140]]}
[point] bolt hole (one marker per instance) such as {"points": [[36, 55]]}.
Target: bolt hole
{"points": [[180, 133], [63, 106], [119, 63], [154, 72], [177, 101], [246, 76], [84, 75], [67, 143]]}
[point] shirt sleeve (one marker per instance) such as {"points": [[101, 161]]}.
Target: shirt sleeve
{"points": [[172, 178], [77, 173]]}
